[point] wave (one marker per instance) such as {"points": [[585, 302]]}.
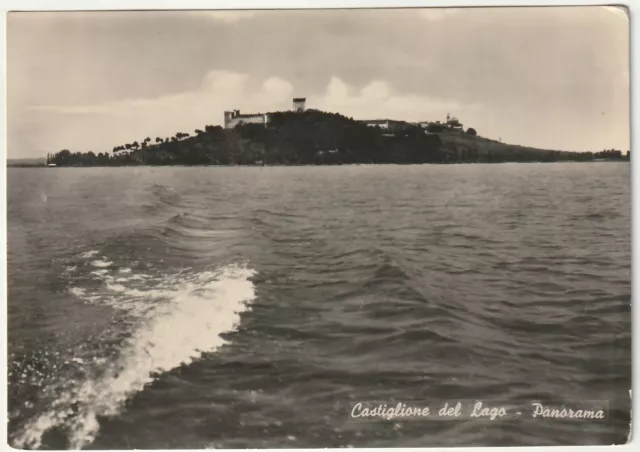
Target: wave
{"points": [[163, 199], [101, 263], [176, 318]]}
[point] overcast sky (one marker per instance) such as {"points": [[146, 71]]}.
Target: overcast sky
{"points": [[549, 77]]}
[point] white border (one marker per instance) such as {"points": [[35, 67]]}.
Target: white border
{"points": [[38, 5], [81, 5]]}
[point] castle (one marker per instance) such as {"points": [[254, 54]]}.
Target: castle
{"points": [[451, 125], [234, 118]]}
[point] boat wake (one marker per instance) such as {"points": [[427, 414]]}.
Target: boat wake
{"points": [[173, 319]]}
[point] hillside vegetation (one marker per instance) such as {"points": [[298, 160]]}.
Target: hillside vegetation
{"points": [[468, 149], [312, 138]]}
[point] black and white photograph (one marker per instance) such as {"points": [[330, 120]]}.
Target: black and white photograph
{"points": [[318, 228]]}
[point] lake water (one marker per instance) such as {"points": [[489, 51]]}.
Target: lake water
{"points": [[253, 307]]}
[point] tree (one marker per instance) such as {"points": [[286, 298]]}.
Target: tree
{"points": [[435, 128], [471, 131], [314, 137], [63, 157]]}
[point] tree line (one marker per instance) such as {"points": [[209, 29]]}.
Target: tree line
{"points": [[309, 138], [612, 154]]}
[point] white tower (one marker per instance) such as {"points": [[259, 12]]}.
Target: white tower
{"points": [[298, 104]]}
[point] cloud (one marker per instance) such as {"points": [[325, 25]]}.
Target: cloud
{"points": [[112, 123], [278, 88], [378, 100], [542, 76], [226, 82], [108, 124]]}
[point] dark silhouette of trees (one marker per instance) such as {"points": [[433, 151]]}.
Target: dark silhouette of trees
{"points": [[435, 128], [318, 138], [609, 154], [63, 157]]}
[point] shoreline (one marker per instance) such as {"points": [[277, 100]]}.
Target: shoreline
{"points": [[317, 138], [315, 165]]}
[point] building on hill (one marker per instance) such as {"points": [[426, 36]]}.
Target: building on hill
{"points": [[385, 124], [382, 123], [299, 104], [234, 118], [452, 124]]}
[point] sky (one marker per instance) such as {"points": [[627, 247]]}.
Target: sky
{"points": [[549, 77]]}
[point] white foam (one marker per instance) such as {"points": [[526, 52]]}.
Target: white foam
{"points": [[78, 292], [101, 263], [89, 254], [125, 270], [188, 314], [116, 287], [100, 272]]}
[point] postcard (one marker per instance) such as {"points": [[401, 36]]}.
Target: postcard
{"points": [[366, 227]]}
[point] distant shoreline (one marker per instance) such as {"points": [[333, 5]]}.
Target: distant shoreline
{"points": [[310, 165], [313, 137]]}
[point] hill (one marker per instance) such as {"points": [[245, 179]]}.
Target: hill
{"points": [[312, 138], [468, 149], [26, 162]]}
